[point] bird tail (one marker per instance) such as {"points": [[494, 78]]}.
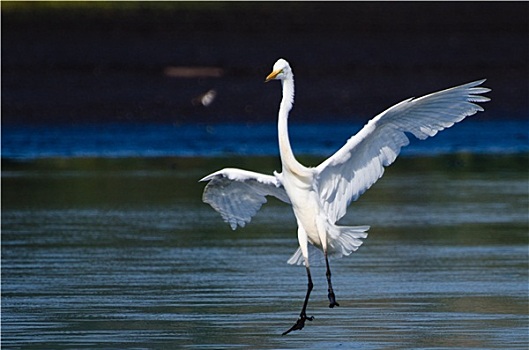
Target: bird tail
{"points": [[341, 240], [316, 257]]}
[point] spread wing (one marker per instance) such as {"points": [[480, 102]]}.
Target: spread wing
{"points": [[239, 194], [347, 174]]}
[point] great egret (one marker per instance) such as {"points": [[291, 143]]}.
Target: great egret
{"points": [[319, 196]]}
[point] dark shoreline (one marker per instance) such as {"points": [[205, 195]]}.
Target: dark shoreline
{"points": [[351, 60]]}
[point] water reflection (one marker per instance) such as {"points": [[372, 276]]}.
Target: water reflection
{"points": [[114, 258]]}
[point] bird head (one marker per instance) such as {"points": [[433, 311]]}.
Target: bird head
{"points": [[280, 71]]}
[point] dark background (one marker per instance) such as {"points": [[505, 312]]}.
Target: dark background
{"points": [[93, 62]]}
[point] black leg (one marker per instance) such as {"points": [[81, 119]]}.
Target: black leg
{"points": [[300, 323], [332, 298]]}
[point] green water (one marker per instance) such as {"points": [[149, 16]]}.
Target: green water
{"points": [[122, 253]]}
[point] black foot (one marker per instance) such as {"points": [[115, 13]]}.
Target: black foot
{"points": [[332, 300], [299, 324]]}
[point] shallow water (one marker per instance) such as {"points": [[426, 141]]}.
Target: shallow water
{"points": [[474, 135], [121, 253]]}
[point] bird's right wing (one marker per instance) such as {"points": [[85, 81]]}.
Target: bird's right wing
{"points": [[347, 174], [238, 194]]}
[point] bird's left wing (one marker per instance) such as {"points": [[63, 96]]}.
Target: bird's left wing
{"points": [[238, 194], [347, 174]]}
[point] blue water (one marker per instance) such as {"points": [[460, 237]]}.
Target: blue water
{"points": [[123, 254], [160, 140]]}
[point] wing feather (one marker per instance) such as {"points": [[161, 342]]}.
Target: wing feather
{"points": [[239, 194], [355, 167]]}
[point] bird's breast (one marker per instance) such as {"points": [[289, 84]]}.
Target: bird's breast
{"points": [[305, 205]]}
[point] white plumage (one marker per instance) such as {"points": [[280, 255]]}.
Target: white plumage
{"points": [[239, 194], [319, 196]]}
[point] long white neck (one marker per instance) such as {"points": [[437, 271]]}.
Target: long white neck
{"points": [[288, 160]]}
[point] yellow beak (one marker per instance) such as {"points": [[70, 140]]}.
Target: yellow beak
{"points": [[272, 75]]}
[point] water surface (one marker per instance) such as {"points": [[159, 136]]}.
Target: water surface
{"points": [[121, 253], [119, 140]]}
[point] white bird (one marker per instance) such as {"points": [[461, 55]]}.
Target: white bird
{"points": [[319, 196]]}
